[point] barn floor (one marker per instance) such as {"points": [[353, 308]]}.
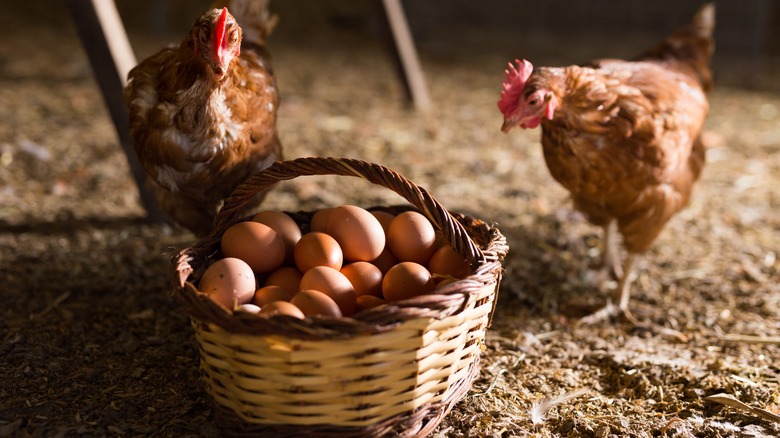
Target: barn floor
{"points": [[91, 342]]}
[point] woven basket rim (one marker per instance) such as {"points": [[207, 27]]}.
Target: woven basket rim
{"points": [[483, 245]]}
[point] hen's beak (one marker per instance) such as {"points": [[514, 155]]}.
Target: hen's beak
{"points": [[508, 125], [219, 71]]}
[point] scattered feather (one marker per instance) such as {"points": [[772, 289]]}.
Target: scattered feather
{"points": [[731, 401], [540, 408]]}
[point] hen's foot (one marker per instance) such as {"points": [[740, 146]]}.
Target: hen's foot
{"points": [[621, 295], [610, 311], [606, 313]]}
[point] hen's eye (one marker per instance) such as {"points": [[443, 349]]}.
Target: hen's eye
{"points": [[533, 102]]}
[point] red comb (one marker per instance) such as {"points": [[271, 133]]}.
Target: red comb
{"points": [[219, 30], [514, 85]]}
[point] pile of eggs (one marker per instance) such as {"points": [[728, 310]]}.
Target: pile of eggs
{"points": [[350, 260]]}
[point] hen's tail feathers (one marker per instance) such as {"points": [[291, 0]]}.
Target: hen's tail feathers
{"points": [[692, 45], [253, 16]]}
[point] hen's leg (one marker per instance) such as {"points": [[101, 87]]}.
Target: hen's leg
{"points": [[611, 261], [620, 296], [610, 268]]}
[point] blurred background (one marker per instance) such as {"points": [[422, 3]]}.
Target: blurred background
{"points": [[556, 31]]}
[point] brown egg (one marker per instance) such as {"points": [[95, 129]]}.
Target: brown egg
{"points": [[332, 283], [285, 227], [286, 277], [320, 220], [412, 238], [228, 282], [384, 218], [446, 261], [407, 280], [357, 231], [385, 261], [313, 302], [368, 302], [365, 277], [269, 294], [255, 243], [318, 249], [440, 284], [248, 308], [282, 308]]}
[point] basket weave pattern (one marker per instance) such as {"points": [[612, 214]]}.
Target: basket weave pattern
{"points": [[396, 369]]}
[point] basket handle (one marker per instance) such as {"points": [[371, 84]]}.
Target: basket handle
{"points": [[232, 209]]}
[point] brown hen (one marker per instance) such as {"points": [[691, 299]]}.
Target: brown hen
{"points": [[623, 137], [203, 114]]}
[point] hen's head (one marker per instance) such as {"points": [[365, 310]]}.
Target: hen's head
{"points": [[524, 104], [216, 37]]}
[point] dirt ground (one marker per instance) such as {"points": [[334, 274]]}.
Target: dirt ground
{"points": [[92, 344]]}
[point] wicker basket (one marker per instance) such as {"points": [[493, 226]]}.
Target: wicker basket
{"points": [[395, 370]]}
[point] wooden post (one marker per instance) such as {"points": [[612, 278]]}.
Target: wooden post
{"points": [[407, 53], [111, 56]]}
